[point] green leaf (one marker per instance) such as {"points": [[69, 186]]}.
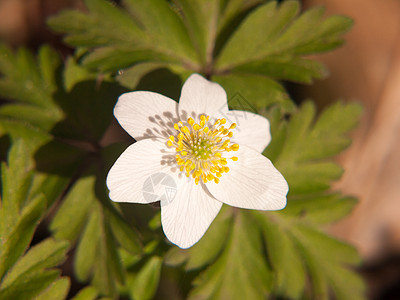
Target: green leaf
{"points": [[304, 154], [321, 209], [233, 10], [62, 115], [112, 58], [241, 271], [83, 106], [57, 290], [34, 87], [28, 288], [302, 149], [83, 217], [163, 25], [214, 241], [260, 91], [86, 254], [291, 244], [74, 211], [131, 77], [271, 40], [253, 37], [201, 18], [47, 254], [147, 30], [15, 244], [146, 280], [31, 275], [75, 73], [331, 274], [22, 205], [16, 181], [123, 233], [330, 131], [29, 82], [20, 211], [67, 119], [286, 67], [294, 245], [88, 293], [153, 77], [290, 272]]}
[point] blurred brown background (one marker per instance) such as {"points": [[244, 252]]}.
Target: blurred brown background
{"points": [[22, 22], [365, 69]]}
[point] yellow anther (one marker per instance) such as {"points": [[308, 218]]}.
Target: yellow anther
{"points": [[235, 147], [234, 158], [185, 129], [225, 143], [201, 148]]}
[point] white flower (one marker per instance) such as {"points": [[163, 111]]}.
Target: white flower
{"points": [[198, 154]]}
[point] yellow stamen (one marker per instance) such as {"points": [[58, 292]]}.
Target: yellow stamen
{"points": [[201, 149]]}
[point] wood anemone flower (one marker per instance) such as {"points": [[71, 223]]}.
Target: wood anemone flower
{"points": [[192, 156]]}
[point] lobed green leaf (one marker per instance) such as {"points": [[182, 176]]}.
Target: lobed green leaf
{"points": [[240, 271], [146, 281]]}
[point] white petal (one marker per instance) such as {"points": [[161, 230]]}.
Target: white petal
{"points": [[252, 182], [251, 130], [187, 217], [146, 114], [139, 167], [200, 96]]}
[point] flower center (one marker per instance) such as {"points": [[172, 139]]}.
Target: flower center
{"points": [[201, 150]]}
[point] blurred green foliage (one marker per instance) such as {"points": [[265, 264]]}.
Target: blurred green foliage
{"points": [[57, 114]]}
